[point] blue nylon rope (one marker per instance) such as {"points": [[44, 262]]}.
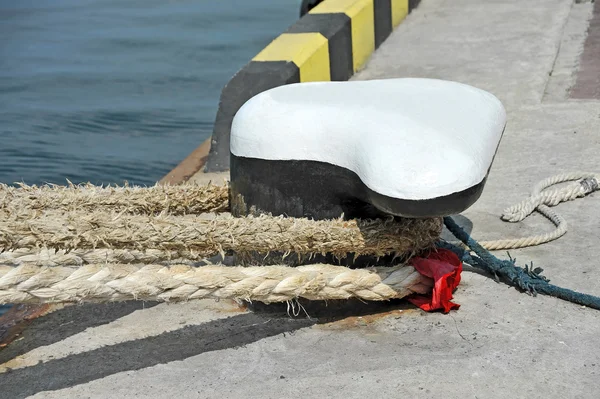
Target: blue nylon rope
{"points": [[527, 279]]}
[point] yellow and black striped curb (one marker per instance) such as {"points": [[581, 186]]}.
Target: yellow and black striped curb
{"points": [[330, 43]]}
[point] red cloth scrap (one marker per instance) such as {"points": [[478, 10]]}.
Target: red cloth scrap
{"points": [[444, 267]]}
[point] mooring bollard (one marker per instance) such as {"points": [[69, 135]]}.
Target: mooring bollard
{"points": [[409, 149]]}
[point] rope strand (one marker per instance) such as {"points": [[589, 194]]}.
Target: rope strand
{"points": [[207, 237], [79, 257], [541, 201], [175, 200], [102, 283]]}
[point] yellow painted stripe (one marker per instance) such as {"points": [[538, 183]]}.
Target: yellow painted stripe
{"points": [[309, 51], [363, 25], [316, 67], [399, 11]]}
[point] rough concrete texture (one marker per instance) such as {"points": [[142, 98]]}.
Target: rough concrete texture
{"points": [[567, 64], [499, 344], [497, 45], [588, 78]]}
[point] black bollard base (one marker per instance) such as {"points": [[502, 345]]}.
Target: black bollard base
{"points": [[313, 190], [319, 191]]}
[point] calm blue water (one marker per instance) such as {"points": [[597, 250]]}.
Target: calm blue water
{"points": [[113, 90]]}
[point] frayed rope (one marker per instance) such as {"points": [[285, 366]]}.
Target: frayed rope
{"points": [[527, 279]]}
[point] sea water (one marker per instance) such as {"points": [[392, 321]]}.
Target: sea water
{"points": [[113, 90]]}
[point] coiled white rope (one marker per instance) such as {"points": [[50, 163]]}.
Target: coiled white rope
{"points": [[583, 184]]}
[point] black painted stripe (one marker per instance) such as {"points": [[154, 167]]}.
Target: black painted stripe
{"points": [[251, 80], [412, 4], [337, 29], [382, 10], [318, 190], [308, 5]]}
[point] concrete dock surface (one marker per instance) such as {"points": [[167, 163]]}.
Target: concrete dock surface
{"points": [[499, 344]]}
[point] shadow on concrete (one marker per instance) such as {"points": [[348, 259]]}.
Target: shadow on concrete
{"points": [[266, 321], [328, 311], [63, 323]]}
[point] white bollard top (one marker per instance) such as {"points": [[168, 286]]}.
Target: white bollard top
{"points": [[411, 139]]}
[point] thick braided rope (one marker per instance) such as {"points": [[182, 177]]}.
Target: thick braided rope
{"points": [[114, 282], [541, 201], [175, 200], [206, 237]]}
